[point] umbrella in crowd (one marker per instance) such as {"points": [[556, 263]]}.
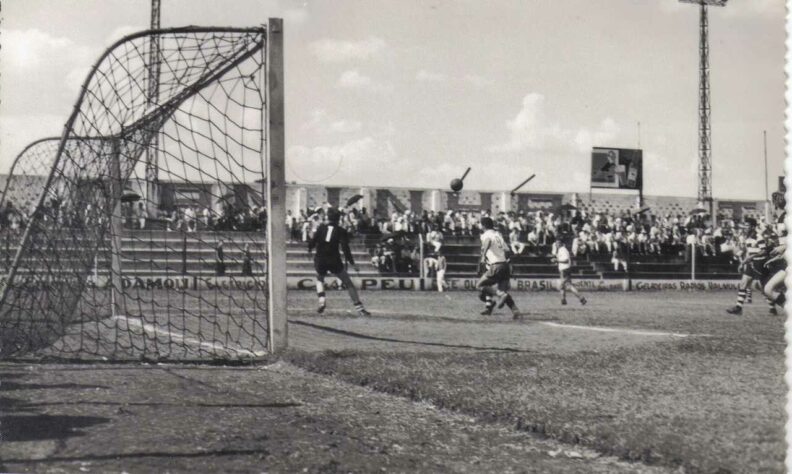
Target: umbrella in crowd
{"points": [[351, 201], [130, 196]]}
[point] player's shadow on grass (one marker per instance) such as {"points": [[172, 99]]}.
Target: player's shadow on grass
{"points": [[7, 386], [146, 454], [44, 427], [405, 341], [185, 404]]}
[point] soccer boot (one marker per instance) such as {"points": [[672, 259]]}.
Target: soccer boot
{"points": [[735, 310], [583, 301], [563, 301], [487, 311], [321, 308], [773, 312], [363, 312]]}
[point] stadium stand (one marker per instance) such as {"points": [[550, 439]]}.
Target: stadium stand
{"points": [[594, 224]]}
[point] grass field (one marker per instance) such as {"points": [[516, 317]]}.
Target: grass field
{"points": [[631, 382]]}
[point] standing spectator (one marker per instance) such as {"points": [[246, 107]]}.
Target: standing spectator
{"points": [[142, 215], [220, 266], [619, 255], [247, 261], [207, 218], [291, 226], [189, 219]]}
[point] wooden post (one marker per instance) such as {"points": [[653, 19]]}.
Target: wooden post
{"points": [[116, 228], [276, 188]]}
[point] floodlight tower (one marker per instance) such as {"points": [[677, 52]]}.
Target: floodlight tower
{"points": [[152, 160], [705, 143]]}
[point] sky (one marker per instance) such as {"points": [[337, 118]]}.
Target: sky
{"points": [[409, 93]]}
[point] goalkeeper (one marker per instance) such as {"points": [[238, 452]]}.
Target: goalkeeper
{"points": [[328, 240]]}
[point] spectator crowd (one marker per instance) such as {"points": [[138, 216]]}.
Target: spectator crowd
{"points": [[614, 234]]}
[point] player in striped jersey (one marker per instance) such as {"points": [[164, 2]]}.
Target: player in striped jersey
{"points": [[752, 266], [773, 284], [749, 249], [329, 240], [494, 283]]}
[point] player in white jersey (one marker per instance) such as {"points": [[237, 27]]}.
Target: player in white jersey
{"points": [[494, 283], [564, 260]]}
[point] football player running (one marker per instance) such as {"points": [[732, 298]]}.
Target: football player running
{"points": [[494, 262], [773, 285]]}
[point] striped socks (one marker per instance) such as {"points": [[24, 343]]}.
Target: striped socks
{"points": [[740, 297]]}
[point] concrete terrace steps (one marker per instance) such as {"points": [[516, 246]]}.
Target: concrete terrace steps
{"points": [[150, 253]]}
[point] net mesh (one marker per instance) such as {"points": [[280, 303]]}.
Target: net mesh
{"points": [[25, 181], [145, 237]]}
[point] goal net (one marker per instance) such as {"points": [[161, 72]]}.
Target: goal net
{"points": [[145, 237]]}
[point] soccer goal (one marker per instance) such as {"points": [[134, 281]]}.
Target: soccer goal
{"points": [[157, 228]]}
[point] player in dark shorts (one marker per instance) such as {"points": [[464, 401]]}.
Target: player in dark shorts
{"points": [[747, 268], [775, 269], [756, 268], [329, 240], [494, 264]]}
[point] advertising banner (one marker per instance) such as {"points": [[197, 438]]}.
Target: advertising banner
{"points": [[616, 168]]}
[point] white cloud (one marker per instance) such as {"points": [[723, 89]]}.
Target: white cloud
{"points": [[121, 32], [345, 126], [319, 122], [603, 135], [532, 130], [335, 51], [316, 119], [558, 153], [428, 76], [295, 16], [41, 72], [478, 81], [18, 131], [25, 50], [353, 79], [360, 160], [743, 8]]}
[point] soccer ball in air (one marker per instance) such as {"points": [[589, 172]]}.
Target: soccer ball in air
{"points": [[456, 185]]}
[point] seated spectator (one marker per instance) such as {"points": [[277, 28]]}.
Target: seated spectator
{"points": [[515, 243]]}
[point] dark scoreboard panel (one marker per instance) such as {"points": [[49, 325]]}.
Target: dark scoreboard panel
{"points": [[617, 168]]}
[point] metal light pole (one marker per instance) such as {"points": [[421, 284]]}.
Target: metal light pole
{"points": [[768, 209], [705, 142], [152, 156]]}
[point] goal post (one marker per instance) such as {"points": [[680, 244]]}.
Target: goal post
{"points": [[95, 274], [276, 186]]}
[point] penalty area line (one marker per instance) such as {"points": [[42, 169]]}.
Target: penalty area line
{"points": [[213, 347], [636, 332]]}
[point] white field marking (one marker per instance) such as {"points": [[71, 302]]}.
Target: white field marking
{"points": [[372, 311], [187, 340], [636, 332]]}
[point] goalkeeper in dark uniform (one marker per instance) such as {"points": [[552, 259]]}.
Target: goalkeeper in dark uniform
{"points": [[329, 240]]}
